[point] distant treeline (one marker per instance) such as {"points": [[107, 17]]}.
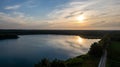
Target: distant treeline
{"points": [[8, 36], [83, 33]]}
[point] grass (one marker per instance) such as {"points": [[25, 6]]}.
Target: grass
{"points": [[91, 62], [83, 61], [114, 54]]}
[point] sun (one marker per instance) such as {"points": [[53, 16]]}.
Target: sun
{"points": [[80, 18]]}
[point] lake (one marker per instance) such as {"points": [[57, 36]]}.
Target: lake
{"points": [[30, 49]]}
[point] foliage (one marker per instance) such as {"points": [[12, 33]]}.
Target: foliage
{"points": [[96, 50], [90, 62], [105, 41], [58, 63], [114, 54], [75, 62], [47, 63], [79, 61], [43, 63]]}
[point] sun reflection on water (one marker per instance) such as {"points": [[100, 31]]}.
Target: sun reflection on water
{"points": [[80, 39]]}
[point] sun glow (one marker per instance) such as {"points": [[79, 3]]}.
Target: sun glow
{"points": [[80, 18], [80, 40]]}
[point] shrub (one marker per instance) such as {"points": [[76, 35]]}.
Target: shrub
{"points": [[96, 50]]}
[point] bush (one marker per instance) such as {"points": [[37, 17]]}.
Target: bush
{"points": [[47, 63], [96, 50], [43, 63], [58, 63]]}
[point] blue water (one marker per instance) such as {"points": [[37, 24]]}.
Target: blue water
{"points": [[30, 49]]}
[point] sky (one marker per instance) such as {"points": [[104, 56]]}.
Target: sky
{"points": [[60, 14]]}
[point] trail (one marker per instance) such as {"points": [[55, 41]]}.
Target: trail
{"points": [[102, 62]]}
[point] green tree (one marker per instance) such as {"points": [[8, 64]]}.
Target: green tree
{"points": [[58, 63], [96, 50], [43, 63], [105, 41]]}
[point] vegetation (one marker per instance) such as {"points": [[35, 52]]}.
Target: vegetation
{"points": [[92, 34], [43, 63], [47, 63], [96, 50], [113, 50], [80, 61], [114, 54], [8, 36], [83, 61], [58, 63]]}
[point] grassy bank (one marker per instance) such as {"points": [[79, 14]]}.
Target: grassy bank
{"points": [[83, 61], [114, 54]]}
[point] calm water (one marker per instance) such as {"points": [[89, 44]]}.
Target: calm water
{"points": [[29, 49]]}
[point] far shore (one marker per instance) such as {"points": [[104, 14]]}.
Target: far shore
{"points": [[8, 36], [89, 34]]}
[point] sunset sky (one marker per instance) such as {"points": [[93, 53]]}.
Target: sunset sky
{"points": [[60, 14]]}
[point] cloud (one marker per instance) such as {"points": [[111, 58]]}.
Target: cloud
{"points": [[28, 4], [7, 22], [100, 14], [95, 11], [19, 20], [14, 20], [13, 17], [70, 10], [12, 7]]}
